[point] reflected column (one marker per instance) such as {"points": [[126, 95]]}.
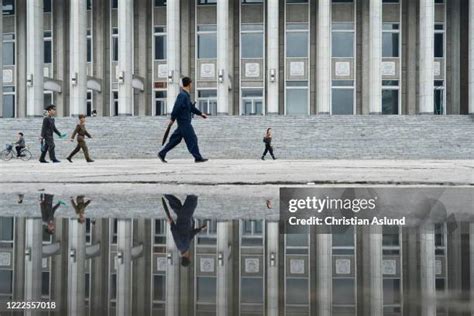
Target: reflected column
{"points": [[372, 270], [33, 257], [172, 275], [223, 268], [427, 270], [272, 268], [124, 266], [324, 273], [76, 267]]}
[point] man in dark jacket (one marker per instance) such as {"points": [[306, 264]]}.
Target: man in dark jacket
{"points": [[182, 112], [182, 229], [47, 212], [47, 135]]}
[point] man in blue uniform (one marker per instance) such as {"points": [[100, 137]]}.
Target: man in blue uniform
{"points": [[182, 112]]}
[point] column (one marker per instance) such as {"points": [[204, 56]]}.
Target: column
{"points": [[78, 57], [125, 57], [33, 256], [376, 277], [124, 266], [426, 75], [324, 62], [324, 274], [471, 56], [76, 267], [272, 57], [272, 268], [375, 57], [173, 51], [223, 57], [34, 58], [427, 270]]}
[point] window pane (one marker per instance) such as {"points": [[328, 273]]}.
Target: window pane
{"points": [[8, 7], [9, 106], [439, 45], [391, 291], [115, 49], [296, 44], [160, 47], [389, 101], [48, 52], [390, 44], [297, 291], [207, 45], [47, 6], [343, 291], [206, 290], [6, 277], [89, 50], [343, 44], [342, 101], [6, 224], [252, 290], [159, 287], [297, 101], [8, 53], [252, 45]]}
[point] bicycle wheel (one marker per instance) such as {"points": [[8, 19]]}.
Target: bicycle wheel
{"points": [[26, 155], [6, 155]]}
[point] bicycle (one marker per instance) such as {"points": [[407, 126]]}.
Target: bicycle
{"points": [[10, 152]]}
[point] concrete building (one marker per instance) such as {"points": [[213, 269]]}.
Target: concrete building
{"points": [[247, 57], [238, 267]]}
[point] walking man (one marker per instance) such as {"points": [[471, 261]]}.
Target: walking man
{"points": [[182, 112], [47, 135], [81, 139]]}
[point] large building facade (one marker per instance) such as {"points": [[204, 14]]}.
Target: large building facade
{"points": [[247, 57]]}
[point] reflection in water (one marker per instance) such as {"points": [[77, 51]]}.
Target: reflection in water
{"points": [[240, 267]]}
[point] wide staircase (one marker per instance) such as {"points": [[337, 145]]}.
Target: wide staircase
{"points": [[295, 137]]}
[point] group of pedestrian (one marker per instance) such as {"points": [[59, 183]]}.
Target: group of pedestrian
{"points": [[182, 113], [47, 137]]}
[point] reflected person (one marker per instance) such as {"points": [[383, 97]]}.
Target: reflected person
{"points": [[79, 206], [48, 210], [182, 229]]}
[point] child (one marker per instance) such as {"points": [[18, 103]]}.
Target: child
{"points": [[81, 141], [20, 144], [267, 139]]}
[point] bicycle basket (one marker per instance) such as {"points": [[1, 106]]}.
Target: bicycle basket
{"points": [[8, 146]]}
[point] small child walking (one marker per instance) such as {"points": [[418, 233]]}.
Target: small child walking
{"points": [[267, 139]]}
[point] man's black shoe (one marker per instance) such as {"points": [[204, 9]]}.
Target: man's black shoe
{"points": [[201, 160], [44, 161], [162, 158], [56, 161], [90, 160], [68, 159]]}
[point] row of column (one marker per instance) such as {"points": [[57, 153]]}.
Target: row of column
{"points": [[78, 62]]}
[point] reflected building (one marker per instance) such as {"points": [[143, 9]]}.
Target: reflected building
{"points": [[239, 267]]}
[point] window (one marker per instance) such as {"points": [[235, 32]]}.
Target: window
{"points": [[8, 7], [160, 42], [160, 102], [6, 278], [390, 101], [342, 97], [160, 3], [391, 40], [6, 233], [115, 44], [47, 6], [8, 104], [251, 1], [114, 4], [252, 101], [8, 49], [89, 4], [207, 41], [439, 40], [252, 40], [207, 101], [48, 98], [297, 98], [439, 107], [48, 48], [297, 40], [89, 105], [115, 111], [89, 46], [201, 2], [343, 39]]}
